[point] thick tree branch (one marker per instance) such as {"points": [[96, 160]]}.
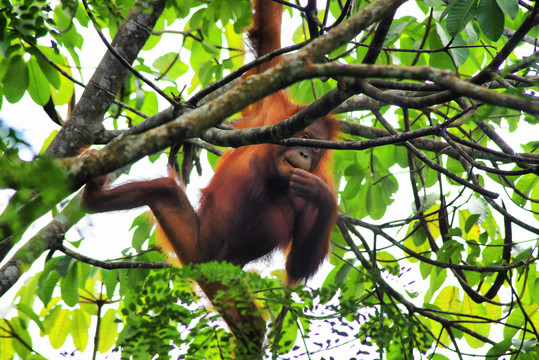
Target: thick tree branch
{"points": [[211, 114], [85, 120]]}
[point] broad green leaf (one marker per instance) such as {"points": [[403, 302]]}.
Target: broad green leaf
{"points": [[525, 186], [459, 51], [449, 299], [460, 14], [51, 73], [79, 329], [439, 357], [335, 279], [108, 331], [342, 273], [38, 87], [433, 220], [16, 79], [170, 65], [490, 18], [534, 292], [388, 262], [6, 345], [69, 286], [48, 281], [516, 318], [154, 39], [509, 7], [535, 205], [234, 41], [23, 340], [206, 73], [471, 307], [375, 202], [354, 286], [440, 59], [27, 294], [445, 253], [61, 19], [110, 279], [288, 334], [471, 221], [416, 242], [150, 104], [436, 281], [142, 225], [57, 324], [354, 177], [493, 311], [63, 264], [65, 92], [48, 140], [28, 311]]}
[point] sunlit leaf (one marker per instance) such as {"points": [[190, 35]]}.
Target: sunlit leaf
{"points": [[79, 329], [57, 325], [471, 307], [449, 299], [108, 331], [38, 86], [170, 65]]}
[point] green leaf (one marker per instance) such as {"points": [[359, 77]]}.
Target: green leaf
{"points": [[48, 280], [142, 226], [38, 87], [63, 264], [460, 14], [509, 7], [436, 281], [288, 334], [79, 329], [535, 205], [69, 286], [342, 273], [108, 331], [471, 307], [471, 221], [51, 73], [440, 60], [206, 73], [6, 344], [57, 323], [28, 311], [170, 65], [449, 299], [23, 342], [460, 54], [27, 294], [375, 202], [110, 279], [525, 185], [516, 319], [353, 289], [490, 18], [388, 262], [16, 79]]}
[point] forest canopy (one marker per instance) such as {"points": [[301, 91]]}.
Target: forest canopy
{"points": [[436, 168]]}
